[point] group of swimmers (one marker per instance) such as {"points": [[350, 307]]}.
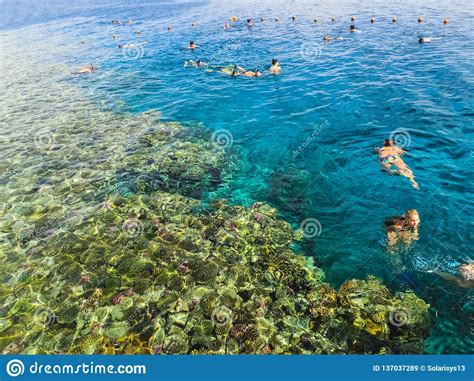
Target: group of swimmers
{"points": [[402, 231], [327, 38], [234, 70]]}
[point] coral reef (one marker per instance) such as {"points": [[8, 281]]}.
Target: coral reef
{"points": [[133, 262], [182, 282]]}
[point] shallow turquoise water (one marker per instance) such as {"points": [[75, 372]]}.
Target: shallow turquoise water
{"points": [[345, 96]]}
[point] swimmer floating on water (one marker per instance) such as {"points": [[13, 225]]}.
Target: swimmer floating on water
{"points": [[197, 63], [275, 67], [329, 38], [390, 156], [86, 69], [464, 276], [234, 70], [402, 231], [424, 40], [353, 29], [192, 45]]}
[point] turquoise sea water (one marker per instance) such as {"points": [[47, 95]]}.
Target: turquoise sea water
{"points": [[305, 138]]}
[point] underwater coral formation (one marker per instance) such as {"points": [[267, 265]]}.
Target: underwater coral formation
{"points": [[149, 269]]}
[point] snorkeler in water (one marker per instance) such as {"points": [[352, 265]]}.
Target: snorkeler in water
{"points": [[86, 69], [234, 70], [275, 67], [464, 276], [402, 231], [249, 73], [249, 22], [329, 38], [424, 40], [391, 161], [197, 63]]}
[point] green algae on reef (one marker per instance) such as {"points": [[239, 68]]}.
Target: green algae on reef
{"points": [[145, 269]]}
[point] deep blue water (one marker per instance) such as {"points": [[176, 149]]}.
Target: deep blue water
{"points": [[345, 96]]}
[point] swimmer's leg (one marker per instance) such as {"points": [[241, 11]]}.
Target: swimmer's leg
{"points": [[387, 167], [405, 171]]}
